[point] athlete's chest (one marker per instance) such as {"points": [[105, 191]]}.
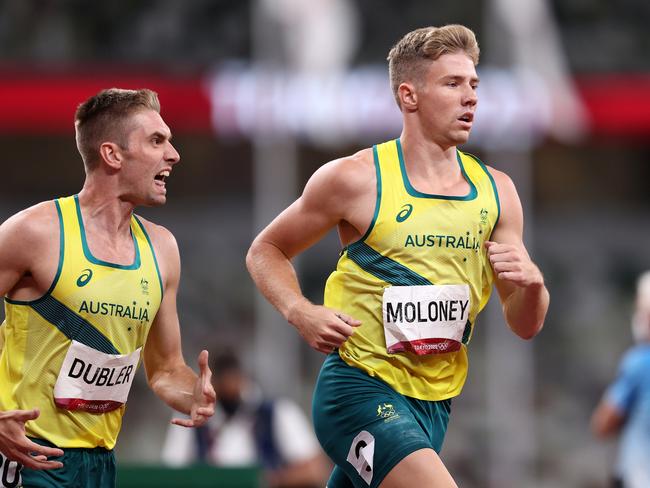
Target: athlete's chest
{"points": [[100, 293], [433, 228]]}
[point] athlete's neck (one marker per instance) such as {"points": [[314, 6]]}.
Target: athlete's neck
{"points": [[432, 168], [104, 212], [426, 152]]}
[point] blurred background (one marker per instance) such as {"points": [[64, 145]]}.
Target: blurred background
{"points": [[260, 93]]}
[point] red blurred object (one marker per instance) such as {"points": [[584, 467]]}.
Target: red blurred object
{"points": [[616, 104], [46, 104]]}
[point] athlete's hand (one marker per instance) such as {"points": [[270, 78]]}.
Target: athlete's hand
{"points": [[204, 396], [17, 447], [322, 328], [512, 263]]}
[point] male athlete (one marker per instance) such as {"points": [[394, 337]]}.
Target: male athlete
{"points": [[625, 406], [426, 230], [90, 289]]}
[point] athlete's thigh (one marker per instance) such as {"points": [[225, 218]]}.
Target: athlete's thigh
{"points": [[33, 478], [15, 475], [82, 468], [338, 479], [420, 468], [363, 425]]}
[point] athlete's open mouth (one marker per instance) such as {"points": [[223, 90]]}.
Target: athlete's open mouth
{"points": [[467, 117], [162, 176]]}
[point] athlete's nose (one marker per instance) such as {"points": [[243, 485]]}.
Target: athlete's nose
{"points": [[172, 155], [470, 97]]}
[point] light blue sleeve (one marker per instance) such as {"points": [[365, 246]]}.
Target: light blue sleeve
{"points": [[622, 392]]}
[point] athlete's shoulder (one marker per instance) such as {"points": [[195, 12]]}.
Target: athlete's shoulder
{"points": [[165, 248], [511, 211], [347, 172], [637, 357], [161, 238], [505, 186], [29, 237], [38, 221]]}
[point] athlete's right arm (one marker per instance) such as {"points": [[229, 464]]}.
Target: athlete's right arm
{"points": [[15, 246], [336, 194], [17, 447], [21, 240]]}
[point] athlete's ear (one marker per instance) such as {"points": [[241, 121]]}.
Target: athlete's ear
{"points": [[408, 97], [111, 154]]}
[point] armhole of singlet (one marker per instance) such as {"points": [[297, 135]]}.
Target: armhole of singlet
{"points": [[153, 254], [375, 155], [59, 268], [494, 185]]}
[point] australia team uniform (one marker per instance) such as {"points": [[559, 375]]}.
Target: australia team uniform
{"points": [[73, 353], [416, 280]]}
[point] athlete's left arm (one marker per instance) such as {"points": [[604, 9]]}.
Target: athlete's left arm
{"points": [[168, 375], [519, 281]]}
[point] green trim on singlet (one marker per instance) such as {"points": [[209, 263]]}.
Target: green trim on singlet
{"points": [[415, 193], [383, 267], [375, 156], [59, 268], [467, 332], [153, 253], [93, 259], [494, 185], [72, 325]]}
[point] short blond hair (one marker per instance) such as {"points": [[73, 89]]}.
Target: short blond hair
{"points": [[105, 117], [408, 59]]}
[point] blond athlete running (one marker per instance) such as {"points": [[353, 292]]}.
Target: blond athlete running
{"points": [[90, 290], [426, 230]]}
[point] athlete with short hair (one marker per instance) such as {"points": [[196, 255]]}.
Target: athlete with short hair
{"points": [[90, 290], [426, 230]]}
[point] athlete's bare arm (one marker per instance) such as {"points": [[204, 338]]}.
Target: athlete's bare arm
{"points": [[341, 193], [29, 252], [607, 420], [168, 375], [29, 248], [519, 281]]}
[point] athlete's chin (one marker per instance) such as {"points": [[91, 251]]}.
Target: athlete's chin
{"points": [[460, 137], [155, 201]]}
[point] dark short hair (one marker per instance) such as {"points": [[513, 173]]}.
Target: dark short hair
{"points": [[104, 117]]}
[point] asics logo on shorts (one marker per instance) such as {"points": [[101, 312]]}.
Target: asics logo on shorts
{"points": [[405, 213], [84, 278]]}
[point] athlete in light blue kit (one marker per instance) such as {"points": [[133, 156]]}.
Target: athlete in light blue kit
{"points": [[625, 407]]}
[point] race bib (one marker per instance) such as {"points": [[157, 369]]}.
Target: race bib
{"points": [[426, 319], [10, 473], [93, 381]]}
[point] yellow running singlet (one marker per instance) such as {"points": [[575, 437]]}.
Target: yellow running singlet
{"points": [[73, 352], [417, 279]]}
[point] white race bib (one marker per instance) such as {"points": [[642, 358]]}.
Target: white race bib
{"points": [[93, 381], [426, 319], [10, 473]]}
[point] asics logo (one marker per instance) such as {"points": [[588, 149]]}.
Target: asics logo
{"points": [[404, 213], [84, 278]]}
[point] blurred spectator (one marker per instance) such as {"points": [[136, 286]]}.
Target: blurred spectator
{"points": [[625, 407], [248, 429]]}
